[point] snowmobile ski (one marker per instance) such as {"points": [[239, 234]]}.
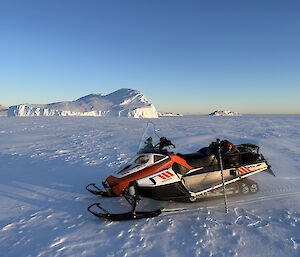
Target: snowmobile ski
{"points": [[132, 198], [131, 215]]}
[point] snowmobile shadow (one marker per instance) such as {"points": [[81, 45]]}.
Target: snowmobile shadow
{"points": [[271, 188], [28, 186], [43, 203]]}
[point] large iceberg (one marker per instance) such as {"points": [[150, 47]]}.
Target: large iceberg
{"points": [[121, 103]]}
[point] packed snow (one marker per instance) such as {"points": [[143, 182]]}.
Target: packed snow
{"points": [[224, 113], [45, 163], [121, 103]]}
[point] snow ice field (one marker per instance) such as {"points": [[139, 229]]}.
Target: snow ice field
{"points": [[46, 162]]}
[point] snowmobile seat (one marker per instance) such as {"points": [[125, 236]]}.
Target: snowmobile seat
{"points": [[203, 152], [198, 160], [189, 156]]}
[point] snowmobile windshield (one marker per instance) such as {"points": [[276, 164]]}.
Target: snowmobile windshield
{"points": [[134, 163], [149, 140]]}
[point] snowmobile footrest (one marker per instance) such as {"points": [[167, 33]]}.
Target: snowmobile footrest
{"points": [[131, 215], [96, 190]]}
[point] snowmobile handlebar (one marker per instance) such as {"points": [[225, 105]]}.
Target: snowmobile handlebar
{"points": [[164, 142]]}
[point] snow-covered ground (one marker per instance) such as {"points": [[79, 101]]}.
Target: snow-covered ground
{"points": [[45, 163]]}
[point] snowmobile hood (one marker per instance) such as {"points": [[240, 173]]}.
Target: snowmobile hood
{"points": [[138, 163], [121, 179]]}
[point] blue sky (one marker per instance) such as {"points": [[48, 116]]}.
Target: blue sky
{"points": [[185, 56]]}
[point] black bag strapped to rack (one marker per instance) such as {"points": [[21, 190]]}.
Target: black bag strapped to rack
{"points": [[248, 148]]}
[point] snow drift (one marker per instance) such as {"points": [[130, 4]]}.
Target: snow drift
{"points": [[121, 103]]}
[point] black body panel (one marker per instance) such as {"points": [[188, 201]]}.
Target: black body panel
{"points": [[174, 191], [178, 168]]}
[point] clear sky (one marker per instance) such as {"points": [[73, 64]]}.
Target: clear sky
{"points": [[185, 56]]}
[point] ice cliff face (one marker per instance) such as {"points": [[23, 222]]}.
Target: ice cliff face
{"points": [[224, 113], [121, 103], [3, 110]]}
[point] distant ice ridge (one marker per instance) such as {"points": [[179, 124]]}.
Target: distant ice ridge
{"points": [[121, 103], [224, 113], [169, 114]]}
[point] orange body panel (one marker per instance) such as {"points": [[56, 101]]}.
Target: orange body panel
{"points": [[118, 185], [181, 161]]}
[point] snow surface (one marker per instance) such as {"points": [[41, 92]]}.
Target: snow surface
{"points": [[45, 163], [224, 113], [121, 103]]}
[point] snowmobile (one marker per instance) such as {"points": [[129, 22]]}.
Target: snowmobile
{"points": [[158, 173]]}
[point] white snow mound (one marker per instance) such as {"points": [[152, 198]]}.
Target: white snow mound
{"points": [[121, 103], [169, 114], [224, 113]]}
